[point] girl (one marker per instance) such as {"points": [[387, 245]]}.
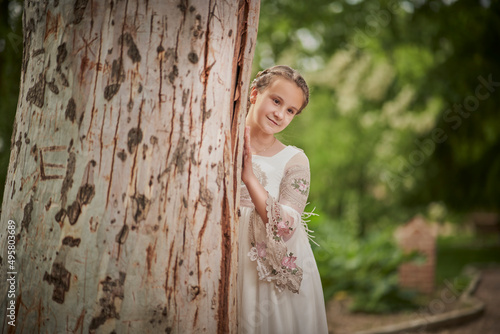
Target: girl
{"points": [[279, 285]]}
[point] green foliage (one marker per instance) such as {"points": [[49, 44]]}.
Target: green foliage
{"points": [[10, 71], [455, 252], [364, 269]]}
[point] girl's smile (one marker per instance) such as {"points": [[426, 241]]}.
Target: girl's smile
{"points": [[273, 122]]}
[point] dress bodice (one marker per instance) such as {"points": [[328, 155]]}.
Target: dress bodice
{"points": [[269, 171]]}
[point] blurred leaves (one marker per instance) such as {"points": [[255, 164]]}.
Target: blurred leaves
{"points": [[11, 42], [365, 270]]}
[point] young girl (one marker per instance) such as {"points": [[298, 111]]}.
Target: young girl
{"points": [[279, 285]]}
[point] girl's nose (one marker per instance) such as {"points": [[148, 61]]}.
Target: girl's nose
{"points": [[278, 113]]}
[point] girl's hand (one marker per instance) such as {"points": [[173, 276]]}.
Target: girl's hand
{"points": [[247, 171], [257, 192]]}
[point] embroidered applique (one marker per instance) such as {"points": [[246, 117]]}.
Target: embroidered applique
{"points": [[282, 229], [274, 262], [301, 185], [289, 262]]}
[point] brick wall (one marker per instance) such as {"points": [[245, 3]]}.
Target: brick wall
{"points": [[420, 236]]}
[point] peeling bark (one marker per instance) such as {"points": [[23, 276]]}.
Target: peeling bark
{"points": [[124, 170]]}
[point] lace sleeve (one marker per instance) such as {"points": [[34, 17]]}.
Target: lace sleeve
{"points": [[274, 261]]}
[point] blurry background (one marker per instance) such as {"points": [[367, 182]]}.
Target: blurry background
{"points": [[403, 121]]}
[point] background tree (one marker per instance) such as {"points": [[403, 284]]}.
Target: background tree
{"points": [[123, 174]]}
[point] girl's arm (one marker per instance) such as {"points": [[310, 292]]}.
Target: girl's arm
{"points": [[275, 262], [257, 192]]}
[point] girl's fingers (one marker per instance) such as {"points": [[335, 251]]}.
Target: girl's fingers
{"points": [[247, 153], [246, 136], [247, 156], [247, 140]]}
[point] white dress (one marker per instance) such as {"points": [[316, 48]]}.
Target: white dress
{"points": [[279, 285]]}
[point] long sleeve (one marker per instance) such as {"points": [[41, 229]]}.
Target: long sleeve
{"points": [[275, 263]]}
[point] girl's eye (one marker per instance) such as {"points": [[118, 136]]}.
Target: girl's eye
{"points": [[290, 111], [276, 101]]}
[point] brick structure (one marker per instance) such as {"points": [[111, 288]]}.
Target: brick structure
{"points": [[417, 235]]}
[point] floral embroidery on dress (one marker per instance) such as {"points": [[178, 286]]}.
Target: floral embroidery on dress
{"points": [[295, 186], [261, 249], [282, 229], [289, 262], [301, 185], [274, 261]]}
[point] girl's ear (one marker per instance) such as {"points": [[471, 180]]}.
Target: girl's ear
{"points": [[253, 95]]}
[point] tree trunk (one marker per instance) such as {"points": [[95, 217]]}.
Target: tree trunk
{"points": [[123, 185]]}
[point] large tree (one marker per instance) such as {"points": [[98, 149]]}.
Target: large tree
{"points": [[123, 180]]}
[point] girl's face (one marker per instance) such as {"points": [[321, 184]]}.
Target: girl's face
{"points": [[274, 108]]}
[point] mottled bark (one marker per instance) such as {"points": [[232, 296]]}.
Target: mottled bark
{"points": [[123, 179]]}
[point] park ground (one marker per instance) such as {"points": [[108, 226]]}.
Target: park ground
{"points": [[453, 257], [340, 321]]}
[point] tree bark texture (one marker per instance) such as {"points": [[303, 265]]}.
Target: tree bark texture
{"points": [[124, 170]]}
